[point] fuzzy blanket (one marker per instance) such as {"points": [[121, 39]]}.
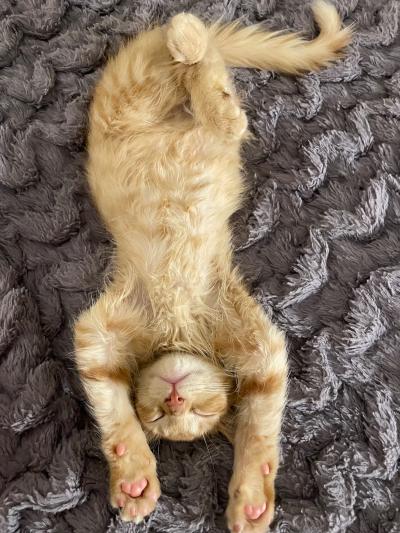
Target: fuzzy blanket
{"points": [[318, 241]]}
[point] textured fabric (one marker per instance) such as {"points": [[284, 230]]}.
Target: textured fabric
{"points": [[318, 241]]}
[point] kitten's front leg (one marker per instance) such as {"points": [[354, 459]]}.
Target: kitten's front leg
{"points": [[251, 345], [102, 335], [134, 486], [256, 459]]}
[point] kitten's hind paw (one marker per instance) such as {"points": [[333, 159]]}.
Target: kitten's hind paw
{"points": [[187, 39]]}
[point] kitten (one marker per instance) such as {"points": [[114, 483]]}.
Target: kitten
{"points": [[176, 327]]}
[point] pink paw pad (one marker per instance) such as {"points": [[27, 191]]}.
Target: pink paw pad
{"points": [[265, 469], [120, 449], [237, 528], [255, 511], [137, 488], [120, 502]]}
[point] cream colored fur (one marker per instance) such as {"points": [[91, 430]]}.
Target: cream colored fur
{"points": [[164, 170]]}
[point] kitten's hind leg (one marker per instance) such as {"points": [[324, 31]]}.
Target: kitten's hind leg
{"points": [[187, 39], [214, 102], [138, 88]]}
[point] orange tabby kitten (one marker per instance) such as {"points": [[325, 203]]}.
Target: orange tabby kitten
{"points": [[176, 327]]}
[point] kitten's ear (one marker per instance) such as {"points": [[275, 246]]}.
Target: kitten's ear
{"points": [[226, 426]]}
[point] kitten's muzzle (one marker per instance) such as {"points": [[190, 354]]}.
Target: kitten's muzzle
{"points": [[175, 403]]}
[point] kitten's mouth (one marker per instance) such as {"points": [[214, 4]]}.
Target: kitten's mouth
{"points": [[174, 380]]}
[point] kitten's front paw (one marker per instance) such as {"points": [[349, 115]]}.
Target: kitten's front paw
{"points": [[252, 495], [227, 117], [220, 110], [134, 486]]}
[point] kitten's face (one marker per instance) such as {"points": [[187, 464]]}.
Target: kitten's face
{"points": [[181, 396]]}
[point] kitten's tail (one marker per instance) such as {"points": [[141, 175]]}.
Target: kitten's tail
{"points": [[255, 48]]}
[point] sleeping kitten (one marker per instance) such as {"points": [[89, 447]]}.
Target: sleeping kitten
{"points": [[176, 328]]}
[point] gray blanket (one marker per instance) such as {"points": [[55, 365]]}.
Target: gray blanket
{"points": [[318, 241]]}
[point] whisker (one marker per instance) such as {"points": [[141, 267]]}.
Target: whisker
{"points": [[211, 459], [213, 448]]}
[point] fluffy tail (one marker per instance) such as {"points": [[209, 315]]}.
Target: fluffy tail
{"points": [[289, 53]]}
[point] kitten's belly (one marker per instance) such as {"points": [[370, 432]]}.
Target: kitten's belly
{"points": [[173, 241], [176, 265], [174, 247]]}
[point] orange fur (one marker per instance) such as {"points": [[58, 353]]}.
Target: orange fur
{"points": [[255, 48], [164, 170]]}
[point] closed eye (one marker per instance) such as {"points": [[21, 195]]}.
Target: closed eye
{"points": [[158, 417], [200, 413]]}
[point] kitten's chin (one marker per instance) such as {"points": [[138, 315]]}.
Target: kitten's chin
{"points": [[181, 397]]}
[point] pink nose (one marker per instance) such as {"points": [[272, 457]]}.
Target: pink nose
{"points": [[174, 401]]}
